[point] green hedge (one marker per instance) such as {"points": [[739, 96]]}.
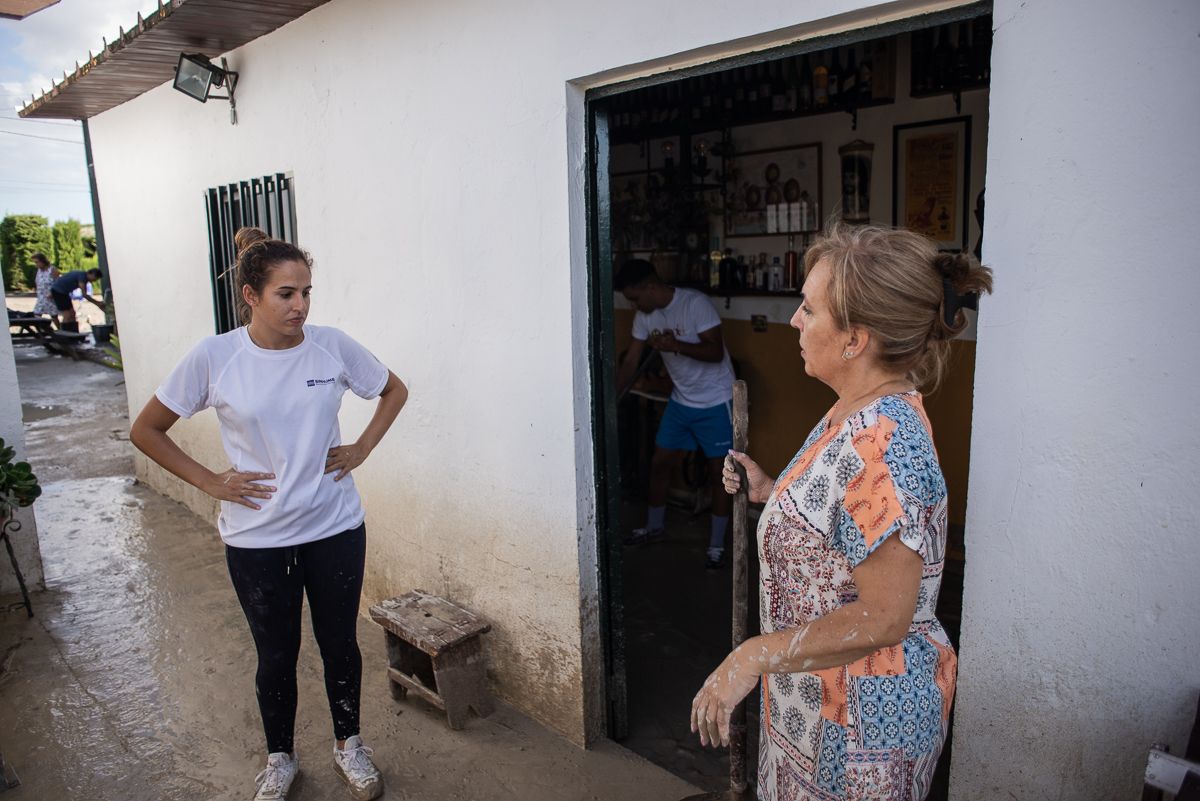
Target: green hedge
{"points": [[22, 235], [68, 246]]}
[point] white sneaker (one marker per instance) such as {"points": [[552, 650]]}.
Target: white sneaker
{"points": [[353, 763], [276, 779]]}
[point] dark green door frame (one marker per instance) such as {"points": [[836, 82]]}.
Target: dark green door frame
{"points": [[603, 361], [602, 339]]}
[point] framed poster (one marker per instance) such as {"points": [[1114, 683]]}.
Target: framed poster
{"points": [[931, 179], [759, 182]]}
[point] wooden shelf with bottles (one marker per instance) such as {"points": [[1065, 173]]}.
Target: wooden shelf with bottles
{"points": [[951, 59], [739, 293], [956, 91], [777, 234], [773, 90], [668, 129]]}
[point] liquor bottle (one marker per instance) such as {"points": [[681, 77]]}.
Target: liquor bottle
{"points": [[963, 57], [850, 78], [804, 99], [981, 39], [922, 61], [714, 268], [760, 282], [835, 79], [779, 87], [807, 217], [706, 98], [865, 89], [739, 275], [943, 59], [791, 266], [791, 90], [775, 283], [765, 90], [820, 84], [727, 270], [883, 69]]}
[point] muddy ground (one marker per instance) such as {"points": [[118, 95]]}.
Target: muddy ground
{"points": [[135, 678]]}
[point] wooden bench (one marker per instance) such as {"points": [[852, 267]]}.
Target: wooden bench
{"points": [[26, 325], [434, 650]]}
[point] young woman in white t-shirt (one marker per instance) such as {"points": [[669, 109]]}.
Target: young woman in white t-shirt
{"points": [[291, 518]]}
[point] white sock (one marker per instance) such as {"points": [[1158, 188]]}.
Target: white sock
{"points": [[654, 517], [717, 540]]}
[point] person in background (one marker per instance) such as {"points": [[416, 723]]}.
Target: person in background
{"points": [[45, 276], [291, 518], [857, 674], [64, 285], [685, 328]]}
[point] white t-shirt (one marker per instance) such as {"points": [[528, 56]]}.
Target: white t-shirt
{"points": [[278, 411], [698, 384]]}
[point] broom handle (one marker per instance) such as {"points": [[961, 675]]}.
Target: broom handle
{"points": [[737, 729]]}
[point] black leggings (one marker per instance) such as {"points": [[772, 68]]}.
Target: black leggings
{"points": [[271, 583]]}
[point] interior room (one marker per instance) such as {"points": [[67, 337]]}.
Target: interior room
{"points": [[721, 179]]}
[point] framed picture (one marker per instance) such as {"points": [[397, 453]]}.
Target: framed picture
{"points": [[766, 189], [931, 179]]}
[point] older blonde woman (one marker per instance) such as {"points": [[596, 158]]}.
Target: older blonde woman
{"points": [[45, 276], [857, 674]]}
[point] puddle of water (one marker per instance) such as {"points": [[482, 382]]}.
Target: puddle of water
{"points": [[32, 412]]}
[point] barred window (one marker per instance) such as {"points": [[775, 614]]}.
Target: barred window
{"points": [[267, 203]]}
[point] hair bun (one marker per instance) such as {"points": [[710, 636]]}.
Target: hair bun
{"points": [[245, 238], [963, 280]]}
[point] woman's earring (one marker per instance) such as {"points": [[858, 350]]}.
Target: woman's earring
{"points": [[848, 355]]}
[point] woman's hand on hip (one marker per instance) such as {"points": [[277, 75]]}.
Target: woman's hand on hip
{"points": [[345, 458], [237, 487], [759, 482], [723, 690]]}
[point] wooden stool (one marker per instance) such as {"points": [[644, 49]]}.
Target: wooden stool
{"points": [[434, 650]]}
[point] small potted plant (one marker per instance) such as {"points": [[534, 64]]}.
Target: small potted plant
{"points": [[18, 487]]}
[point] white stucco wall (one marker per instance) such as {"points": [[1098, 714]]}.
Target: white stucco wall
{"points": [[1081, 624], [12, 430], [439, 188], [438, 155]]}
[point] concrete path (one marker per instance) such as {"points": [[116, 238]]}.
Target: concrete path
{"points": [[135, 680]]}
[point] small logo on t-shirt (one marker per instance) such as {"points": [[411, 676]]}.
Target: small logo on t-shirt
{"points": [[319, 382]]}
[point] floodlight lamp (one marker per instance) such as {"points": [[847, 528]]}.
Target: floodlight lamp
{"points": [[196, 75]]}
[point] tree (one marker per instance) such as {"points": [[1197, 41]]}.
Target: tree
{"points": [[22, 235], [68, 246]]}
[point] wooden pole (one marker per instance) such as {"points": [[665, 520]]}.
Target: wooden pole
{"points": [[741, 596], [737, 731]]}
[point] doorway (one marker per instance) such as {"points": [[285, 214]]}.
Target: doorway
{"points": [[720, 176]]}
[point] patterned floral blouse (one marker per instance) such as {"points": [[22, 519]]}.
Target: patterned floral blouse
{"points": [[872, 729], [45, 304]]}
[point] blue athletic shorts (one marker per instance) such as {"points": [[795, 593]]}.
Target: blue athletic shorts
{"points": [[684, 429]]}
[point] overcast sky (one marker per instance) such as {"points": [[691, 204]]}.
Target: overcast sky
{"points": [[38, 173]]}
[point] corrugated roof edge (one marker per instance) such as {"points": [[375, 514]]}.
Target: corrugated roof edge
{"points": [[123, 39]]}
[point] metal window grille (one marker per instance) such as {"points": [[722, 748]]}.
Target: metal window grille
{"points": [[267, 203]]}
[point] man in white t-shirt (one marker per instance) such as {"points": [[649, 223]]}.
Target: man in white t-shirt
{"points": [[684, 327]]}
